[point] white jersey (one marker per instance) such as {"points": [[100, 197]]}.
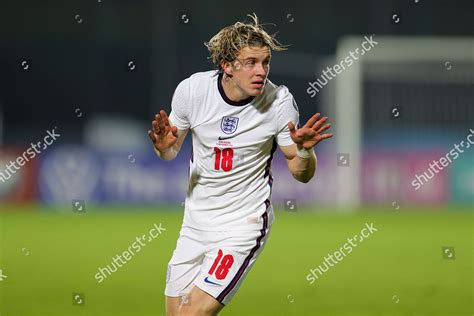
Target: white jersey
{"points": [[230, 177]]}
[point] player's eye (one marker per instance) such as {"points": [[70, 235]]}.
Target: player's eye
{"points": [[250, 62]]}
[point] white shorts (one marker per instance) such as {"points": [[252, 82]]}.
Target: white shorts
{"points": [[216, 262]]}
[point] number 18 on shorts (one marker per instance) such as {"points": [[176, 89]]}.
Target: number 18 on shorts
{"points": [[216, 262]]}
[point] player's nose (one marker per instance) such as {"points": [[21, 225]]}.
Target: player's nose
{"points": [[261, 70]]}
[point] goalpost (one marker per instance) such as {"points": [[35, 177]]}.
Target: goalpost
{"points": [[349, 98]]}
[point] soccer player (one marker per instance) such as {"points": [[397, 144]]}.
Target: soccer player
{"points": [[237, 118]]}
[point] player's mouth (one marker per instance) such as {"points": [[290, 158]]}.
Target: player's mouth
{"points": [[258, 84]]}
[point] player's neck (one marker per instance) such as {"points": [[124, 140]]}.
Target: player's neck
{"points": [[232, 91]]}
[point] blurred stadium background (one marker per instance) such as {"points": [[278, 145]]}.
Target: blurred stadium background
{"points": [[99, 70]]}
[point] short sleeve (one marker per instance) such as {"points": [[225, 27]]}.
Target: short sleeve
{"points": [[287, 112], [181, 106]]}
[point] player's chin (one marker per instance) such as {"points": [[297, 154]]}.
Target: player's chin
{"points": [[255, 90]]}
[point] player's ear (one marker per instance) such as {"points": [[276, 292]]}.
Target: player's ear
{"points": [[226, 68]]}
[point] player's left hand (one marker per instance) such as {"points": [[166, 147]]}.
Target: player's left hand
{"points": [[311, 133]]}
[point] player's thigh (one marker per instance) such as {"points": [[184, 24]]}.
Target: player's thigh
{"points": [[185, 264], [198, 302]]}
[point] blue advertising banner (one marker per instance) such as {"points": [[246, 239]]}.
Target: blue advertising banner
{"points": [[75, 172]]}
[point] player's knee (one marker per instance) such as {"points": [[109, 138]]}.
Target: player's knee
{"points": [[173, 312], [172, 306], [196, 310]]}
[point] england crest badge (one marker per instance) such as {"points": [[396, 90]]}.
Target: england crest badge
{"points": [[229, 124]]}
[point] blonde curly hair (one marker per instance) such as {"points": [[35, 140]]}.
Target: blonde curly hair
{"points": [[226, 45]]}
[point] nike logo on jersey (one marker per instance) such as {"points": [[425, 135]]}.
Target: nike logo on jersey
{"points": [[223, 138], [210, 282]]}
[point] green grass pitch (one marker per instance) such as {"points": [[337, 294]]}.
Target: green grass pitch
{"points": [[399, 270]]}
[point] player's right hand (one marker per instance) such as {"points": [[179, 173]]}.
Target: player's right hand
{"points": [[163, 135]]}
